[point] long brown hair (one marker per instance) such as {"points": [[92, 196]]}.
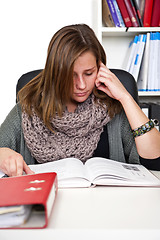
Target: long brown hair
{"points": [[48, 92]]}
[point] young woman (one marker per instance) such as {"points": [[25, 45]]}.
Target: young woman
{"points": [[76, 107]]}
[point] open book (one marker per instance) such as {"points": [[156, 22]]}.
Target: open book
{"points": [[72, 172]]}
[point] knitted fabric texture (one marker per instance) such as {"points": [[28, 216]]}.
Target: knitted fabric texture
{"points": [[75, 134]]}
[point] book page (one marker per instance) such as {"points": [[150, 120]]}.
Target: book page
{"points": [[70, 171], [12, 216], [110, 172]]}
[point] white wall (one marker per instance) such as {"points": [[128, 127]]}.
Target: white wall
{"points": [[26, 29]]}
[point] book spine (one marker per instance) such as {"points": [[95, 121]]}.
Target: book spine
{"points": [[137, 12], [132, 48], [156, 66], [141, 5], [151, 68], [124, 13], [118, 13], [135, 54], [139, 55], [131, 13], [143, 75], [113, 13], [158, 63], [107, 17], [147, 13], [155, 19]]}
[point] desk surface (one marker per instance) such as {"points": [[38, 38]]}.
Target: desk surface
{"points": [[100, 212]]}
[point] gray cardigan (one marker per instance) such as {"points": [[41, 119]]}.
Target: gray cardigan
{"points": [[121, 143]]}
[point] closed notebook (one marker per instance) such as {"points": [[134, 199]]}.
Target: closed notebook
{"points": [[26, 201]]}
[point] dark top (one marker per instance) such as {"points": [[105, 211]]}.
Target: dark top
{"points": [[102, 150]]}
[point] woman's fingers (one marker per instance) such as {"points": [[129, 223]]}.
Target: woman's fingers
{"points": [[12, 163], [26, 169], [107, 82]]}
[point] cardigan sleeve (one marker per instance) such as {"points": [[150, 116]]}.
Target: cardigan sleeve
{"points": [[121, 143], [11, 135], [128, 141], [10, 130]]}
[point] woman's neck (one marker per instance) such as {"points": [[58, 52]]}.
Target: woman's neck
{"points": [[71, 107]]}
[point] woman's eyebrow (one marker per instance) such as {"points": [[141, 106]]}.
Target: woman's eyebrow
{"points": [[90, 69]]}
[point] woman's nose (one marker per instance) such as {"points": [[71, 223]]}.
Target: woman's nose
{"points": [[80, 83]]}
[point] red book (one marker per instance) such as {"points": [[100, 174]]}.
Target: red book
{"points": [[155, 19], [131, 13], [124, 13], [147, 13], [27, 198]]}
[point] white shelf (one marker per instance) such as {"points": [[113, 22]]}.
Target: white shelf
{"points": [[112, 31], [132, 31], [149, 93], [143, 29]]}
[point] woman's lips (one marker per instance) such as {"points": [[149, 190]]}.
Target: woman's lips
{"points": [[81, 94]]}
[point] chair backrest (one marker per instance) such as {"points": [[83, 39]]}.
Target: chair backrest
{"points": [[125, 77], [25, 78]]}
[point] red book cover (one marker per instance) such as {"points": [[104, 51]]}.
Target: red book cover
{"points": [[124, 13], [147, 13], [36, 192], [131, 13], [155, 19]]}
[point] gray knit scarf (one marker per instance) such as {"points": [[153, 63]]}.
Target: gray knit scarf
{"points": [[75, 134]]}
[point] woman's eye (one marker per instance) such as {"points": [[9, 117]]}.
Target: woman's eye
{"points": [[89, 74]]}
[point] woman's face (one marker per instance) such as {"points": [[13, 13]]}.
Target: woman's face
{"points": [[84, 76]]}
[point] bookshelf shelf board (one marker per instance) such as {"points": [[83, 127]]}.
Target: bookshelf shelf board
{"points": [[143, 29], [113, 31], [149, 93], [119, 31]]}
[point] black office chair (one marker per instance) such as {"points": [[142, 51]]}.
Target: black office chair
{"points": [[125, 77], [128, 81], [25, 78]]}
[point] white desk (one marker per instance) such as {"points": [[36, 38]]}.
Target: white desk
{"points": [[100, 213]]}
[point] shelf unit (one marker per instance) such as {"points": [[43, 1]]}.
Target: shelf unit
{"points": [[115, 41]]}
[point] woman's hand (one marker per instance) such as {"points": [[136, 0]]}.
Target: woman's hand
{"points": [[12, 163], [107, 82]]}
